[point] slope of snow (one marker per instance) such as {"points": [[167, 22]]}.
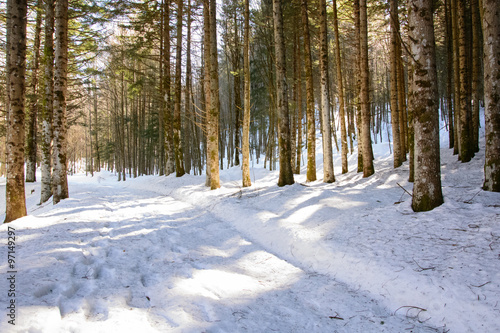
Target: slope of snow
{"points": [[165, 254]]}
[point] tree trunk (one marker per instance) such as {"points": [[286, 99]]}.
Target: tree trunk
{"points": [[237, 92], [449, 70], [33, 100], [328, 174], [246, 113], [300, 114], [491, 49], [168, 128], [16, 64], [456, 77], [96, 133], [60, 177], [161, 110], [213, 114], [188, 133], [285, 172], [206, 79], [47, 103], [311, 126], [396, 138], [476, 73], [179, 158], [368, 168], [425, 106], [340, 83], [466, 151]]}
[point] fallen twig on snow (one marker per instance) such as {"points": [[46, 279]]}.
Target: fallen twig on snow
{"points": [[411, 307], [405, 190], [482, 285], [421, 268]]}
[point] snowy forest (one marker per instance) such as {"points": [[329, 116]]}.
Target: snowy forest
{"points": [[250, 165]]}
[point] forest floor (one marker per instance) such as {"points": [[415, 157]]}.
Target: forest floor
{"points": [[166, 254]]}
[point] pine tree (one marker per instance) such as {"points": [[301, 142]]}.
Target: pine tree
{"points": [[286, 173], [246, 113], [60, 176], [328, 174], [491, 35], [368, 168], [179, 157], [311, 123], [396, 138], [213, 111], [16, 90], [340, 83], [33, 98], [47, 102], [427, 192]]}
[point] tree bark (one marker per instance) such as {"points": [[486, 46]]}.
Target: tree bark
{"points": [[47, 103], [33, 100], [60, 177], [213, 114], [456, 76], [449, 70], [466, 151], [368, 168], [328, 174], [285, 172], [237, 92], [179, 157], [491, 49], [246, 113], [476, 73], [340, 83], [168, 127], [396, 139], [16, 65], [427, 192], [310, 119]]}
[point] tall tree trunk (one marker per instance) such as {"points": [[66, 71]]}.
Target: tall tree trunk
{"points": [[237, 92], [206, 79], [427, 192], [396, 138], [476, 72], [328, 174], [161, 111], [188, 133], [168, 127], [491, 49], [466, 151], [449, 71], [47, 103], [368, 168], [357, 27], [285, 173], [60, 177], [16, 65], [179, 158], [456, 76], [213, 114], [300, 114], [246, 113], [311, 126], [96, 133], [33, 100], [340, 84]]}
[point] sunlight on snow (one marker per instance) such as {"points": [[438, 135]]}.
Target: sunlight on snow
{"points": [[218, 284]]}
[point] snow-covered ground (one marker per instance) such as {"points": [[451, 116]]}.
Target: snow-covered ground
{"points": [[165, 254]]}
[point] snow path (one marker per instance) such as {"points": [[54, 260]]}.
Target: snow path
{"points": [[114, 259], [165, 254]]}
